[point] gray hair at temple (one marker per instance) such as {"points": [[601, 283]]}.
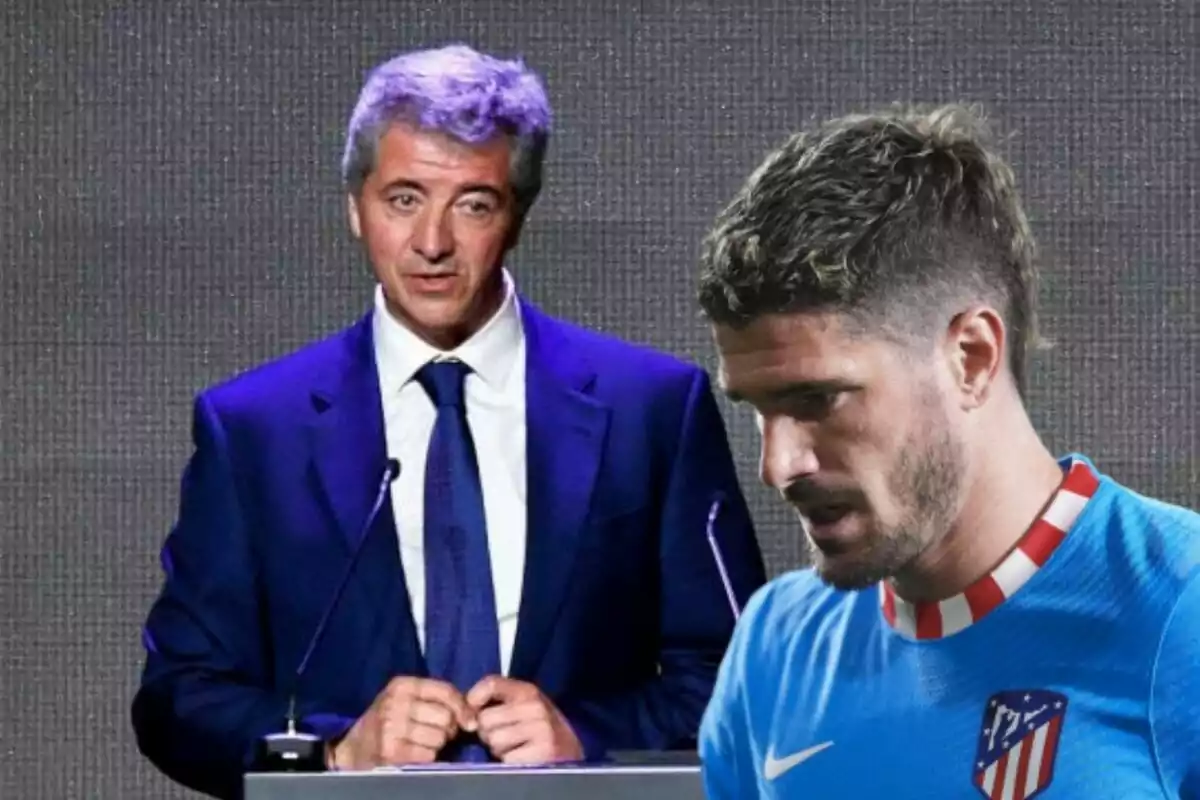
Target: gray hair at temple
{"points": [[461, 92], [894, 219]]}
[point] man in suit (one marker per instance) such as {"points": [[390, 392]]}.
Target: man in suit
{"points": [[539, 587]]}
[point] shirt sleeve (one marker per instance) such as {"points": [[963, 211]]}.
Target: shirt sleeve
{"points": [[1175, 697], [725, 741]]}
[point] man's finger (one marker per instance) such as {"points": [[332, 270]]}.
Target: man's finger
{"points": [[451, 698], [433, 714], [426, 736], [399, 753], [408, 733], [528, 753], [400, 686], [507, 738], [498, 689], [496, 717], [488, 690]]}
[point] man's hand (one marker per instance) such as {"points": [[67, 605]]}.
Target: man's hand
{"points": [[520, 725], [409, 722]]}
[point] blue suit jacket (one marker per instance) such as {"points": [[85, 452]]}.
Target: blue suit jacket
{"points": [[623, 619]]}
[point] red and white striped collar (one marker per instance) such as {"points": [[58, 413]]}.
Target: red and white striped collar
{"points": [[934, 620]]}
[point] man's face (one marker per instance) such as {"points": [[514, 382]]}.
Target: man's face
{"points": [[856, 435], [436, 217]]}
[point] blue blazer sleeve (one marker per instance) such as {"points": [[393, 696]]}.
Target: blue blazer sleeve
{"points": [[206, 695], [695, 619]]}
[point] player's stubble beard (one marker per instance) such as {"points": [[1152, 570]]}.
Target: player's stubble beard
{"points": [[925, 482]]}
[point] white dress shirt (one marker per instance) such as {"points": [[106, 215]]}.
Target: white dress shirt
{"points": [[495, 399]]}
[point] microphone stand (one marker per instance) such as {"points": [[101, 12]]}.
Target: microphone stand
{"points": [[292, 750]]}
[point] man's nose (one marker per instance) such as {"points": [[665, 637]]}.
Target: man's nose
{"points": [[787, 452], [434, 238]]}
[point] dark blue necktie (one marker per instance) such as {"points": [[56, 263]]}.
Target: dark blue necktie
{"points": [[462, 637]]}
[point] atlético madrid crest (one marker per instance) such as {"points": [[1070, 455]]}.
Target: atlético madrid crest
{"points": [[1018, 743]]}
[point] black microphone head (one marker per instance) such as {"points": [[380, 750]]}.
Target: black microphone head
{"points": [[290, 751], [393, 469]]}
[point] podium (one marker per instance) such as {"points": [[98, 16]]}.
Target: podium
{"points": [[488, 782]]}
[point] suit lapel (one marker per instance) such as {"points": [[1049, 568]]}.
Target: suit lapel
{"points": [[349, 455], [565, 432], [348, 442]]}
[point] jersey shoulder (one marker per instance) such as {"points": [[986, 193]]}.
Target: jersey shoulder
{"points": [[1131, 557], [1131, 509], [1159, 542], [1151, 551]]}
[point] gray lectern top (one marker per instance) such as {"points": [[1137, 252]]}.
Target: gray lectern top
{"points": [[491, 782]]}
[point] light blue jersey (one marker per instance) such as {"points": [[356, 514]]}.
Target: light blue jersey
{"points": [[1071, 671]]}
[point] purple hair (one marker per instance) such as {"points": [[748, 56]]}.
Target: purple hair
{"points": [[458, 91]]}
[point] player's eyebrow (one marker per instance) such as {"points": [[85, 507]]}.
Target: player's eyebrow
{"points": [[791, 390]]}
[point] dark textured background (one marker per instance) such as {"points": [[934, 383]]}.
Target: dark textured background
{"points": [[171, 213]]}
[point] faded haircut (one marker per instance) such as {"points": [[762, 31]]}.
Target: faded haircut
{"points": [[894, 219], [461, 92]]}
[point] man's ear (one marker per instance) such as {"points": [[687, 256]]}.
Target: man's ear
{"points": [[976, 349], [352, 215]]}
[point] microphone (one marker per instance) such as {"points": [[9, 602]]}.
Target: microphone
{"points": [[293, 751], [713, 511]]}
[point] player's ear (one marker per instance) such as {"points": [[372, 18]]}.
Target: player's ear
{"points": [[975, 353]]}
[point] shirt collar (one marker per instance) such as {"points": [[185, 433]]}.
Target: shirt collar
{"points": [[938, 619], [490, 352]]}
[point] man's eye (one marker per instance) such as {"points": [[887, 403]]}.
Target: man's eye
{"points": [[404, 200], [813, 405], [477, 208]]}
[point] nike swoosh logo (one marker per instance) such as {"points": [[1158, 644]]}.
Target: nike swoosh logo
{"points": [[774, 767]]}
